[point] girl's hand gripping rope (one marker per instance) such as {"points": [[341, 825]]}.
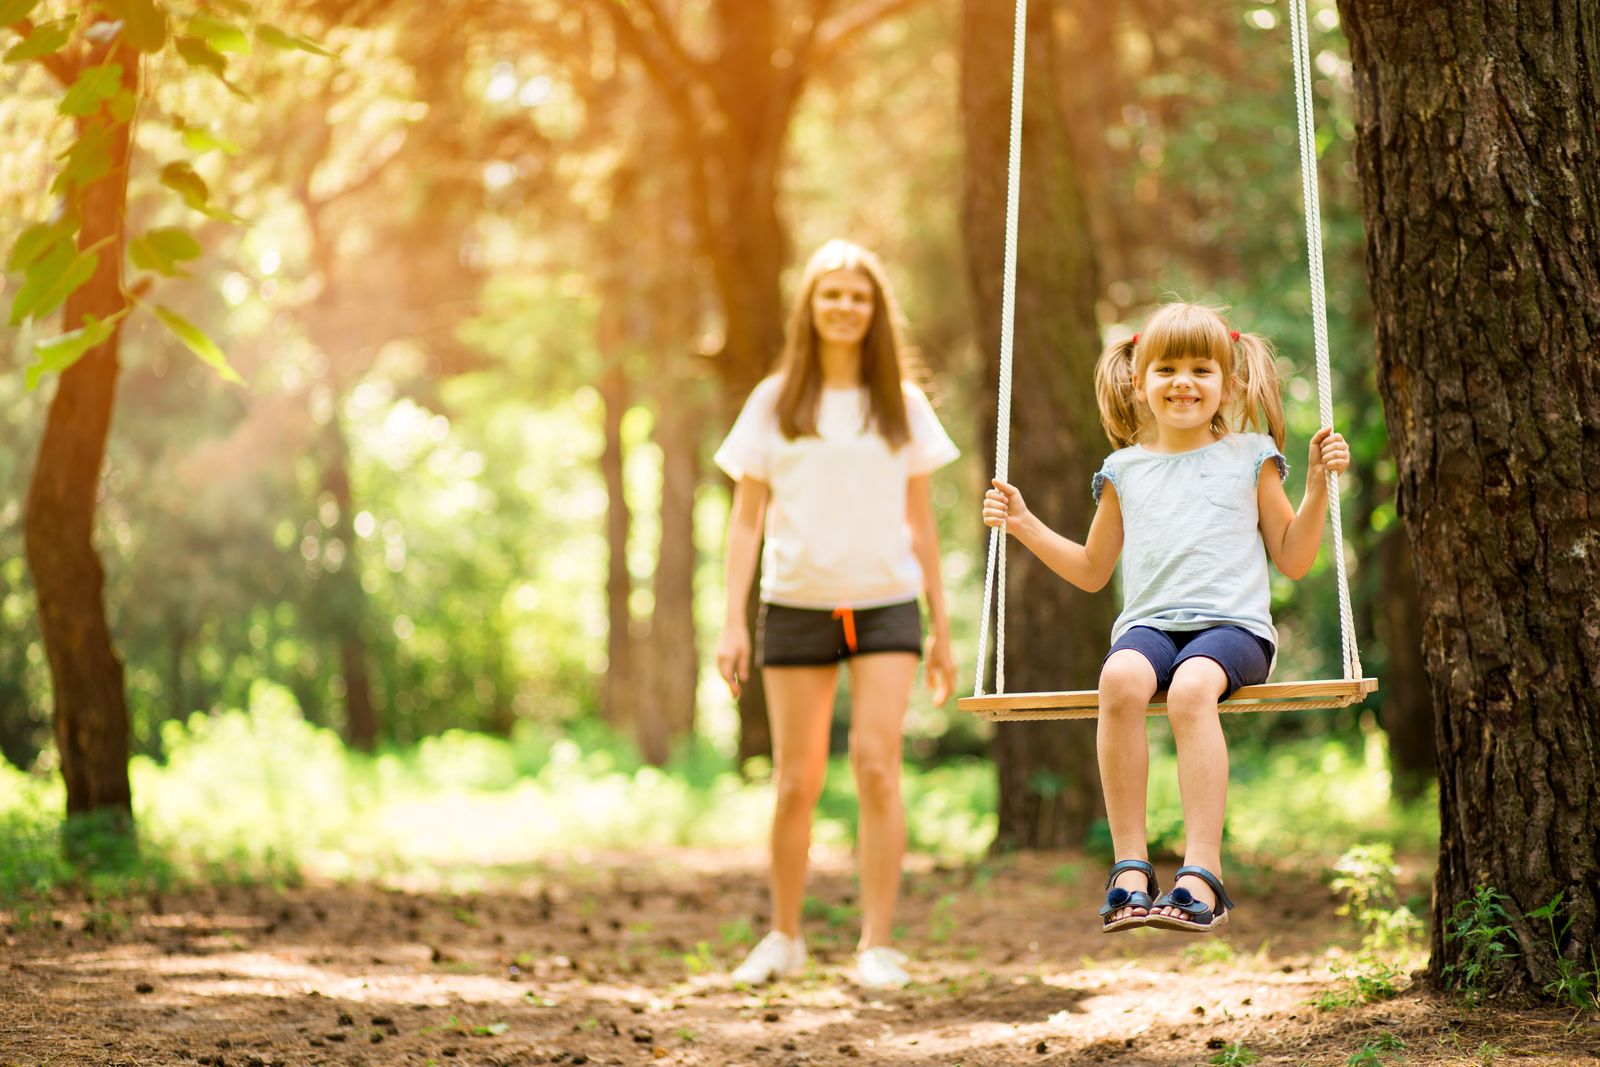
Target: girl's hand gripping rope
{"points": [[1003, 504], [1329, 452]]}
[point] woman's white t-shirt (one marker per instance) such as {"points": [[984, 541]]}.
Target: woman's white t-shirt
{"points": [[836, 531]]}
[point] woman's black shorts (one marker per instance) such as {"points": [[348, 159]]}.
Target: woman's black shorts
{"points": [[816, 637]]}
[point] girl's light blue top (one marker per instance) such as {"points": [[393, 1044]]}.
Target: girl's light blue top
{"points": [[1192, 554]]}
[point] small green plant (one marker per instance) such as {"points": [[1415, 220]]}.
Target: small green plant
{"points": [[1482, 927], [1488, 1053], [1572, 983], [1368, 879], [1235, 1055], [737, 933], [1371, 1053], [1209, 951], [699, 960]]}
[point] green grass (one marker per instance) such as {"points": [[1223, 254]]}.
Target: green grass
{"points": [[262, 795]]}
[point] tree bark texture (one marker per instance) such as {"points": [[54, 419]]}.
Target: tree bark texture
{"points": [[1479, 161], [1049, 779], [91, 711]]}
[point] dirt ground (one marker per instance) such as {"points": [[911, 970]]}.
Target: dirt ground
{"points": [[622, 959]]}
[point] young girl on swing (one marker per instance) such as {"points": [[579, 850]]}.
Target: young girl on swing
{"points": [[1193, 506]]}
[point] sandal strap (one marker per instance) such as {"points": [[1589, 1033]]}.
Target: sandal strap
{"points": [[1119, 898], [1132, 865], [1209, 879]]}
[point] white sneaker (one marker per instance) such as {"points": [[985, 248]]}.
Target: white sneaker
{"points": [[776, 955], [881, 968]]}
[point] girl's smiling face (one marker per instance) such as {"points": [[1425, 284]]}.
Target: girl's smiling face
{"points": [[1184, 394], [841, 306]]}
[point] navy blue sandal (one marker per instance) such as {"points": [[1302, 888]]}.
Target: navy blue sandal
{"points": [[1197, 918], [1118, 898]]}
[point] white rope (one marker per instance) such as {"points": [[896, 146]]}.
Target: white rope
{"points": [[994, 578], [1300, 36], [995, 569]]}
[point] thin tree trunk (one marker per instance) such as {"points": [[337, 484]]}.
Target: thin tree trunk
{"points": [[347, 597], [1407, 704], [667, 717], [91, 711], [618, 691], [1479, 162], [1049, 779]]}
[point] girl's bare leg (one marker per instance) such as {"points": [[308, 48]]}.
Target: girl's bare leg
{"points": [[1202, 768], [1127, 682]]}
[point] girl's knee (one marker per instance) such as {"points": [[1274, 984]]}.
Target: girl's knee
{"points": [[1126, 680]]}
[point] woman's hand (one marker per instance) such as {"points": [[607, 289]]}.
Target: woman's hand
{"points": [[733, 657], [1003, 504], [1328, 453], [941, 665]]}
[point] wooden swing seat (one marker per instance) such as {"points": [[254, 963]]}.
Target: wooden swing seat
{"points": [[1085, 703]]}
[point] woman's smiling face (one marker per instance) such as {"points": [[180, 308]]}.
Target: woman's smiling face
{"points": [[1183, 393], [841, 306]]}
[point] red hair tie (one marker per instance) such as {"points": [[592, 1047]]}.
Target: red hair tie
{"points": [[1135, 338], [1234, 334]]}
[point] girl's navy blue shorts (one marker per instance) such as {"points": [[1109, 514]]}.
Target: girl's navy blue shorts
{"points": [[808, 637], [1245, 657]]}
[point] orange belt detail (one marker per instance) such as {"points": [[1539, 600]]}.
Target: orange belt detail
{"points": [[849, 618]]}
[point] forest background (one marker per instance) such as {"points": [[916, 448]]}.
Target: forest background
{"points": [[494, 296]]}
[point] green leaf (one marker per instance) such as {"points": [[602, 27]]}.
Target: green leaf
{"points": [[59, 353], [46, 38], [94, 84], [32, 244], [123, 105], [144, 23], [268, 34], [88, 159], [200, 139], [197, 53], [162, 250], [196, 341], [15, 10], [200, 54], [220, 34], [174, 243], [51, 280], [182, 179]]}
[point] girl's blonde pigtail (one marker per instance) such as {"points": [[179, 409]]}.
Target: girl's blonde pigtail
{"points": [[1261, 405], [1114, 392]]}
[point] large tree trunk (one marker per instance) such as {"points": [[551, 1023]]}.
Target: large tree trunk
{"points": [[1056, 635], [91, 711], [1479, 162]]}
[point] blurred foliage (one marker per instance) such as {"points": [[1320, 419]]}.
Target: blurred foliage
{"points": [[418, 301], [259, 793]]}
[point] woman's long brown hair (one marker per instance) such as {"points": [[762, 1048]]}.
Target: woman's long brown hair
{"points": [[883, 353]]}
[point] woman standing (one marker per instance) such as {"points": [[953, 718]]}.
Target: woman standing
{"points": [[832, 457]]}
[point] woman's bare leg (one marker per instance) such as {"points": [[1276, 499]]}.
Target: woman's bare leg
{"points": [[880, 687], [800, 707]]}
